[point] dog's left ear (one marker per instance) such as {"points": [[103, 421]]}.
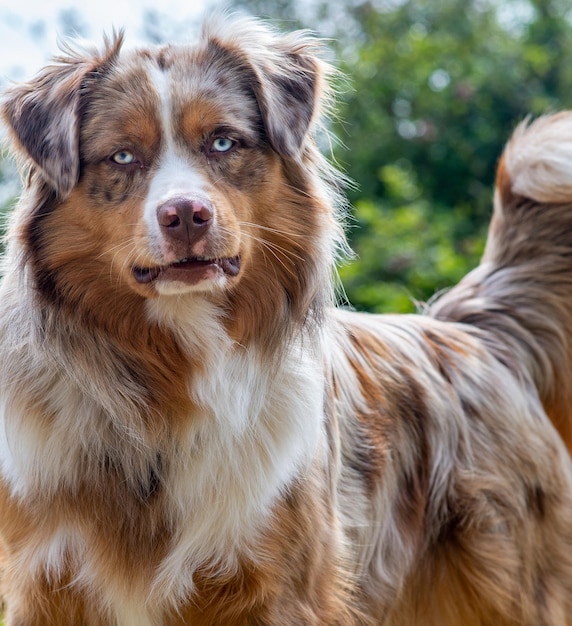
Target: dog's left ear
{"points": [[288, 77], [288, 98], [43, 115]]}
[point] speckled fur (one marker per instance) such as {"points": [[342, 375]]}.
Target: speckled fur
{"points": [[231, 449]]}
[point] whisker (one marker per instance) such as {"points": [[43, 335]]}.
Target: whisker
{"points": [[115, 249], [275, 250], [273, 247], [271, 244], [277, 231]]}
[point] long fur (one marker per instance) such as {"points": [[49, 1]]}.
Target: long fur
{"points": [[191, 432]]}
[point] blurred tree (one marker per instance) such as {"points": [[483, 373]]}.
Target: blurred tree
{"points": [[159, 27], [283, 13], [436, 88], [5, 207], [72, 24], [9, 191]]}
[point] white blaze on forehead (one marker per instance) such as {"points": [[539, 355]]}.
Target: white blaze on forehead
{"points": [[175, 175]]}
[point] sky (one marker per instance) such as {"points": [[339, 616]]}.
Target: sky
{"points": [[30, 29]]}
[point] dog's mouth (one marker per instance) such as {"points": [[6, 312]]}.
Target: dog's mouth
{"points": [[190, 271]]}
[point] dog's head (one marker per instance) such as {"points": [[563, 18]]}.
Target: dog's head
{"points": [[177, 169]]}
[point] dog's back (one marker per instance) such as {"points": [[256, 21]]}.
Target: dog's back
{"points": [[456, 487]]}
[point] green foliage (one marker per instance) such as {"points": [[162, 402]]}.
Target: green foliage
{"points": [[437, 87], [407, 248], [4, 210], [9, 190]]}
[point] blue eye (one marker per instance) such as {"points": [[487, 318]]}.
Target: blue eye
{"points": [[222, 144], [123, 157]]}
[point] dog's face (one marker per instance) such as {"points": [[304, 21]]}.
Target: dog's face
{"points": [[173, 156], [174, 169]]}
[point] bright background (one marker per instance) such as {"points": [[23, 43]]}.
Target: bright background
{"points": [[29, 29]]}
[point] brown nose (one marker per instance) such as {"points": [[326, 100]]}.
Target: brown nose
{"points": [[185, 219]]}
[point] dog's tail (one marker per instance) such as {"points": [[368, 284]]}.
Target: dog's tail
{"points": [[521, 293]]}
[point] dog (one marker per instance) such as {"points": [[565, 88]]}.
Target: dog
{"points": [[192, 433]]}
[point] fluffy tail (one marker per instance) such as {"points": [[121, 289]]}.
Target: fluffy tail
{"points": [[521, 293]]}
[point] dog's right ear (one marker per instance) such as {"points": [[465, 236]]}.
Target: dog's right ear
{"points": [[43, 115]]}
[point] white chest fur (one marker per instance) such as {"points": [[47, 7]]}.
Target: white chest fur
{"points": [[258, 425], [259, 428]]}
